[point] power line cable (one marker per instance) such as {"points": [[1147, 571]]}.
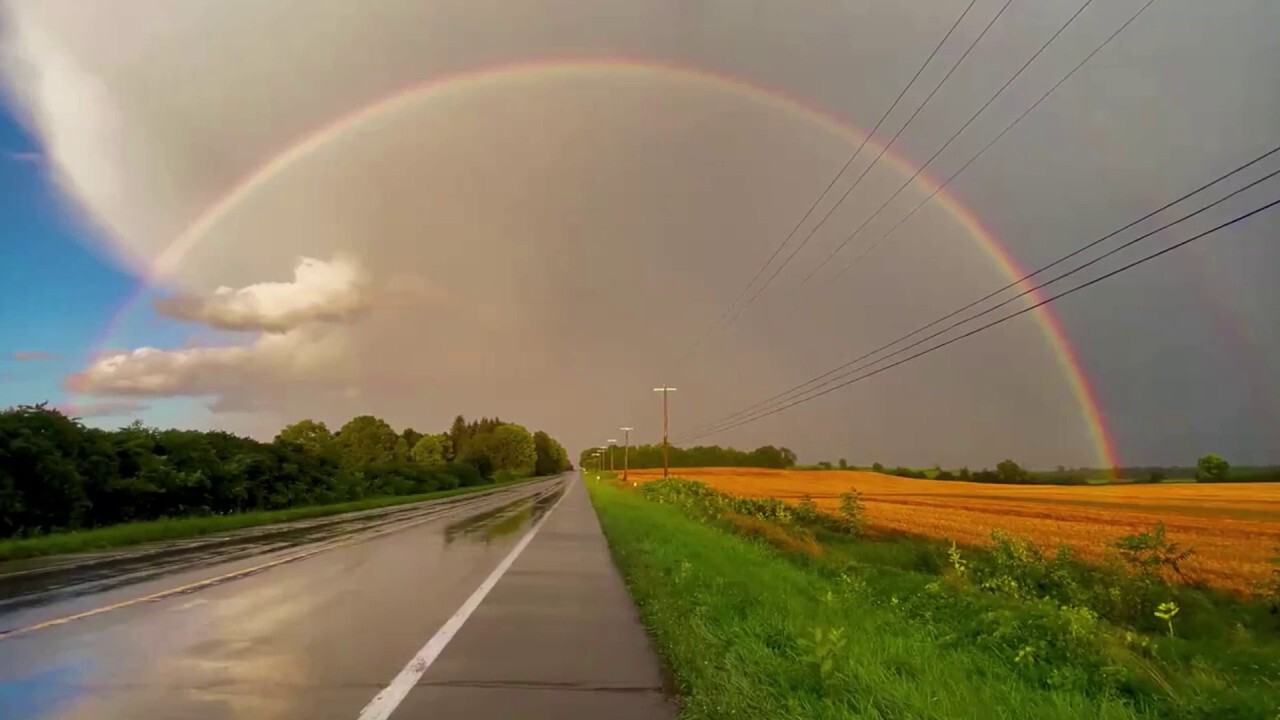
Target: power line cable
{"points": [[1000, 320], [1034, 289], [947, 144], [747, 288], [883, 149], [994, 140], [1015, 283]]}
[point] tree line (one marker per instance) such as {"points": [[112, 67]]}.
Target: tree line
{"points": [[57, 474], [650, 456], [1208, 469]]}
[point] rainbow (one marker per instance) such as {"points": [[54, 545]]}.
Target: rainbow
{"points": [[487, 77]]}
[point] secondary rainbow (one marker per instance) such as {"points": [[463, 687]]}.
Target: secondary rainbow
{"points": [[172, 256]]}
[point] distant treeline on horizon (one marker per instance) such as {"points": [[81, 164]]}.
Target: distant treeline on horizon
{"points": [[640, 457], [1006, 472], [57, 474]]}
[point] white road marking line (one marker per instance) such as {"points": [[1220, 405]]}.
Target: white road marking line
{"points": [[385, 702]]}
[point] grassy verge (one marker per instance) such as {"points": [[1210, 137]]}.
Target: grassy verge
{"points": [[764, 619], [135, 533]]}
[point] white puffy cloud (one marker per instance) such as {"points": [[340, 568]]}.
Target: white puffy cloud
{"points": [[321, 291], [272, 362]]}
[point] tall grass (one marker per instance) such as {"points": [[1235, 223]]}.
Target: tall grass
{"points": [[756, 624]]}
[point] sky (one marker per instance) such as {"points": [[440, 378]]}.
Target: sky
{"points": [[235, 215]]}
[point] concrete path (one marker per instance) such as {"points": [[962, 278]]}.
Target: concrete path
{"points": [[558, 637]]}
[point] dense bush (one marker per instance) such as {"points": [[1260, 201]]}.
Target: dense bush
{"points": [[700, 501], [56, 474]]}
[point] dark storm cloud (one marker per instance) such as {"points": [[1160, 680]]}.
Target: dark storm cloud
{"points": [[581, 229]]}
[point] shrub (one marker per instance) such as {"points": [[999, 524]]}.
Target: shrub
{"points": [[1150, 553], [852, 512], [806, 510], [467, 475]]}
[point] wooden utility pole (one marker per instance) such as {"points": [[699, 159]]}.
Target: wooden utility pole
{"points": [[666, 471], [626, 450]]}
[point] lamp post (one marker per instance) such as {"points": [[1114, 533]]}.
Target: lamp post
{"points": [[626, 450], [612, 442], [665, 391]]}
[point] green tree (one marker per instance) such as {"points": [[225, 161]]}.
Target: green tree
{"points": [[513, 449], [877, 467], [551, 457], [366, 440], [1212, 468], [844, 464], [310, 434], [411, 437], [507, 447], [1008, 471], [430, 450], [789, 457], [457, 435]]}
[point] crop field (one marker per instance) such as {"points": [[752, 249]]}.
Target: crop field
{"points": [[1234, 528]]}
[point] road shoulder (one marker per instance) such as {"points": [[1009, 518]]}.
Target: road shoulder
{"points": [[559, 636]]}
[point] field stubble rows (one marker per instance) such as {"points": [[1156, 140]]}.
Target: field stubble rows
{"points": [[1234, 528]]}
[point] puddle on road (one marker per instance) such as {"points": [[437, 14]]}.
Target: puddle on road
{"points": [[38, 581], [509, 519]]}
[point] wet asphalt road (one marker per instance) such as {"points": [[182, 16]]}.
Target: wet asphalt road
{"points": [[315, 637]]}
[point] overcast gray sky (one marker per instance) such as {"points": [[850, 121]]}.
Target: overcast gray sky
{"points": [[545, 242]]}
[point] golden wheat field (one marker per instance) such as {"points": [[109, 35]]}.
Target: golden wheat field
{"points": [[1234, 528]]}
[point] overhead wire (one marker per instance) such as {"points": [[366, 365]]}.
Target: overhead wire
{"points": [[950, 140], [764, 408], [986, 147], [994, 140], [1043, 268], [818, 200], [998, 321], [883, 149]]}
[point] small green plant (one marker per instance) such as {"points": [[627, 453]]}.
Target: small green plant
{"points": [[807, 510], [1166, 612], [1148, 553], [823, 649], [958, 563], [852, 512]]}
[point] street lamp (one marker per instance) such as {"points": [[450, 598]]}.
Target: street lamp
{"points": [[611, 442], [626, 450]]}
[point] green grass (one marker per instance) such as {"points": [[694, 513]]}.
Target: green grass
{"points": [[876, 630], [135, 533]]}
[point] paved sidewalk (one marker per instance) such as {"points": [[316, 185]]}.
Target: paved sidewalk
{"points": [[558, 637]]}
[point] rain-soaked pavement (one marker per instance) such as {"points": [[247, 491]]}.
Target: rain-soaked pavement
{"points": [[313, 619]]}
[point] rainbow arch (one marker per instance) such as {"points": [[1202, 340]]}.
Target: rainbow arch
{"points": [[172, 256]]}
